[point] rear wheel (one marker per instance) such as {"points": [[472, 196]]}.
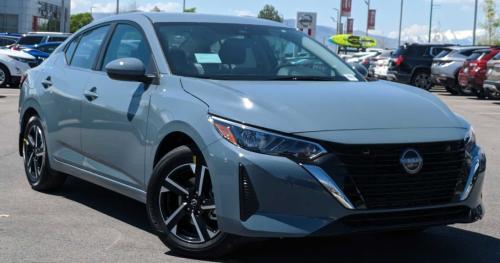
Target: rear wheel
{"points": [[182, 209], [36, 162], [4, 76], [422, 80]]}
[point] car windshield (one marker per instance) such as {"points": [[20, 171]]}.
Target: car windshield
{"points": [[248, 52], [30, 40]]}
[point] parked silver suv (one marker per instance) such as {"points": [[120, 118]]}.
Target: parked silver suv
{"points": [[447, 64]]}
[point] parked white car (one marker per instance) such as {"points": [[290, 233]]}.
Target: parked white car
{"points": [[361, 56], [13, 64]]}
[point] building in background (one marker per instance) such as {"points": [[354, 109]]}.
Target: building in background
{"points": [[22, 16]]}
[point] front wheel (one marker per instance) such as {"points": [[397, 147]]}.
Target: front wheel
{"points": [[4, 76], [182, 208], [422, 80]]}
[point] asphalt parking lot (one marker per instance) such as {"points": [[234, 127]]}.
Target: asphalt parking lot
{"points": [[86, 223]]}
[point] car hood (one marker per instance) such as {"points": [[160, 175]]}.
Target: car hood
{"points": [[302, 106], [15, 53]]}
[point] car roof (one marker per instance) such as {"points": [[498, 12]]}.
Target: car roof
{"points": [[468, 47], [163, 17], [484, 50], [51, 34], [10, 37]]}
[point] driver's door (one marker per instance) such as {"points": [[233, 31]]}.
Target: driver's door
{"points": [[115, 113]]}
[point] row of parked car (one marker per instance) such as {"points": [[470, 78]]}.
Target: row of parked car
{"points": [[462, 70], [20, 52]]}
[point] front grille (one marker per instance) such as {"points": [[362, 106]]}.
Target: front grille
{"points": [[377, 180], [407, 218]]}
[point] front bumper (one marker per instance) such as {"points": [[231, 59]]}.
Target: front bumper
{"points": [[397, 76], [492, 86], [268, 196], [442, 80]]}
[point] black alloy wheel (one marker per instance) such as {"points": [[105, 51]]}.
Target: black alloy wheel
{"points": [[182, 208]]}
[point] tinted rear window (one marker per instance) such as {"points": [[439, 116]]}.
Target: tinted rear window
{"points": [[30, 40], [443, 54], [475, 56], [412, 51]]}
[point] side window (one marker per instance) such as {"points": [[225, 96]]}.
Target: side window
{"points": [[128, 42], [89, 47], [71, 49], [56, 39]]}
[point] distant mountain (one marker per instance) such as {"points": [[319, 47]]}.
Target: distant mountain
{"points": [[410, 35], [323, 33]]}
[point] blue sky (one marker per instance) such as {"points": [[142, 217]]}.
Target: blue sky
{"points": [[449, 15]]}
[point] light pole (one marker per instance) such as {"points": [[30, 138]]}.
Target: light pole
{"points": [[430, 21], [184, 6], [117, 6], [475, 25], [400, 22], [339, 30], [367, 2]]}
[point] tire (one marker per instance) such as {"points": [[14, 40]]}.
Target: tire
{"points": [[36, 160], [451, 90], [480, 94], [185, 220], [5, 77], [422, 79], [407, 232]]}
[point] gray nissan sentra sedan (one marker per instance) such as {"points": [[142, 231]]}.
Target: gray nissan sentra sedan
{"points": [[229, 128]]}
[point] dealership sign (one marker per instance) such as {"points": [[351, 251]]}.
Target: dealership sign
{"points": [[350, 25], [306, 22], [345, 7], [371, 18]]}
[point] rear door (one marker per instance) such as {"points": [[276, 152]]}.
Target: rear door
{"points": [[63, 83], [115, 112]]}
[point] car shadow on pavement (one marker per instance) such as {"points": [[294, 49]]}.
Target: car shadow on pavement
{"points": [[107, 202], [441, 244]]}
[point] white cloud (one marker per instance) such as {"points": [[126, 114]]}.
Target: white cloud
{"points": [[109, 6], [163, 6], [420, 33], [243, 13]]}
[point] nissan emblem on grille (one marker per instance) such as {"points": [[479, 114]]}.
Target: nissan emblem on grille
{"points": [[411, 161]]}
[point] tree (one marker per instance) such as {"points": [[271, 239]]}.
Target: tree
{"points": [[79, 20], [270, 13], [190, 10], [156, 9], [492, 22]]}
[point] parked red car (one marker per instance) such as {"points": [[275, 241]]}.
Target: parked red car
{"points": [[471, 77]]}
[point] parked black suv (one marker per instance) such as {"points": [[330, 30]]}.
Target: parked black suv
{"points": [[411, 64]]}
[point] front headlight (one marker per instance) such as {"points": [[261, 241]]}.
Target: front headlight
{"points": [[470, 141], [264, 142], [23, 60]]}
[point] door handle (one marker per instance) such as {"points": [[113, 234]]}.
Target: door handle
{"points": [[91, 94], [47, 83]]}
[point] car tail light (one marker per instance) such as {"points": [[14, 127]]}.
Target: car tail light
{"points": [[399, 60]]}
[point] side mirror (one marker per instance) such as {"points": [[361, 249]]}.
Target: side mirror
{"points": [[128, 69]]}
